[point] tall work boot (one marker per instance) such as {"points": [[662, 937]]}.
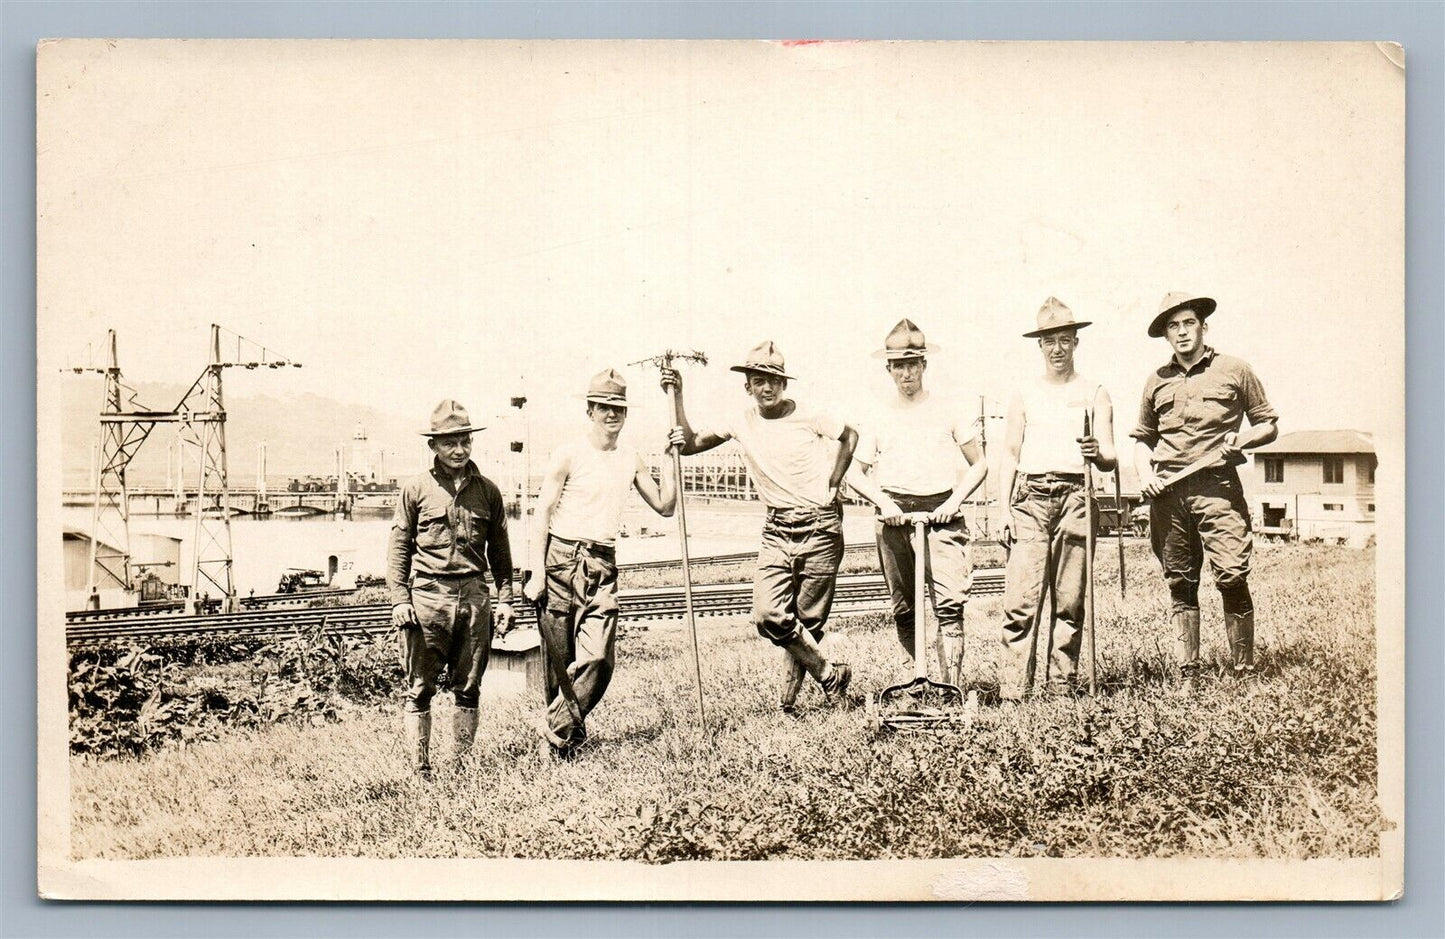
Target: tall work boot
{"points": [[464, 731], [1239, 628], [418, 741], [1186, 646], [793, 674], [950, 660]]}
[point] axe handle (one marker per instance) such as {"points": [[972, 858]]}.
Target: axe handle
{"points": [[1205, 462]]}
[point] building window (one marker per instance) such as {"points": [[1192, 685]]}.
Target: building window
{"points": [[1334, 469], [1370, 470], [1334, 507], [1372, 507], [1274, 469]]}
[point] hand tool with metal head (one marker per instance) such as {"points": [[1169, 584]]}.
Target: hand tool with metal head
{"points": [[1090, 661], [920, 704], [665, 360]]}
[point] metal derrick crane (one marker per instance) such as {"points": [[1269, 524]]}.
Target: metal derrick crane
{"points": [[124, 427]]}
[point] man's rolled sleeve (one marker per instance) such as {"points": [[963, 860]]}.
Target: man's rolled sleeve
{"points": [[1146, 428], [399, 547], [1256, 404]]}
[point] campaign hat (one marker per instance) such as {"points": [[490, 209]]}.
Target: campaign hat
{"points": [[905, 341], [1173, 303], [1053, 317], [450, 417], [764, 359]]}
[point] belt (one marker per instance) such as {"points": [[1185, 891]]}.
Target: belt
{"points": [[1055, 477], [468, 575], [596, 547], [800, 515]]}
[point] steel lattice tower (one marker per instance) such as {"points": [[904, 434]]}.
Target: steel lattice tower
{"points": [[124, 426]]}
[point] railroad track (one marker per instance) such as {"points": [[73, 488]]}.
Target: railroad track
{"points": [[302, 598], [856, 593]]}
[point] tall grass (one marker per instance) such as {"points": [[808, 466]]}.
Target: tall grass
{"points": [[1282, 766]]}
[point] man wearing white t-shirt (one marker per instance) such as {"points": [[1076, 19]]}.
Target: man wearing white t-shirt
{"points": [[575, 568], [908, 461], [797, 457], [1043, 492]]}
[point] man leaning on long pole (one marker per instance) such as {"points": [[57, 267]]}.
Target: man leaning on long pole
{"points": [[797, 457], [1044, 499]]}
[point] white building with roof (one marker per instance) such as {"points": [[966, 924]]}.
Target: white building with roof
{"points": [[1314, 484]]}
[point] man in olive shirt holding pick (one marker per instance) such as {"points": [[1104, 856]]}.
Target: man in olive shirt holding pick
{"points": [[1194, 406], [449, 530]]}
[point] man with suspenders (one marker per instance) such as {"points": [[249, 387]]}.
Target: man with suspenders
{"points": [[1042, 491]]}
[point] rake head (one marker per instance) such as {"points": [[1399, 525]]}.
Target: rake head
{"points": [[920, 705]]}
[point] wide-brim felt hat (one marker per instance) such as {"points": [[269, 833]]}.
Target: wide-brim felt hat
{"points": [[607, 387], [449, 417], [1173, 303], [764, 359], [905, 341], [1054, 317]]}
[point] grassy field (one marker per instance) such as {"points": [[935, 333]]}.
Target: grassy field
{"points": [[1279, 767]]}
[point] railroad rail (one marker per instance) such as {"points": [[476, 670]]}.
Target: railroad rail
{"points": [[856, 593], [301, 598]]}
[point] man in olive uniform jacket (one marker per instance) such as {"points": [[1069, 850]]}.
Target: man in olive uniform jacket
{"points": [[1193, 407], [449, 530]]}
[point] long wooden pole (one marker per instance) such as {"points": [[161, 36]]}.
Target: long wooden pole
{"points": [[1121, 518], [686, 571], [1089, 564]]}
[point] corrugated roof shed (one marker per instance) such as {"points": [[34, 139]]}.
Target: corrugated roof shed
{"points": [[1321, 441]]}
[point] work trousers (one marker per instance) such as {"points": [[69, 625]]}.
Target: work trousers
{"points": [[797, 572], [1202, 516], [947, 567], [455, 630], [1050, 523], [579, 626]]}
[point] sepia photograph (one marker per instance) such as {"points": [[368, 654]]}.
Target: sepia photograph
{"points": [[700, 470]]}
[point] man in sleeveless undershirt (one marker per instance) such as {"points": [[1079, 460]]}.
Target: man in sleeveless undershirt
{"points": [[1042, 491], [575, 565], [921, 454]]}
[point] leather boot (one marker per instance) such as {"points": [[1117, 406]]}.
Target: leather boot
{"points": [[418, 741], [464, 731], [950, 653], [793, 675], [835, 685], [1239, 627], [1186, 645]]}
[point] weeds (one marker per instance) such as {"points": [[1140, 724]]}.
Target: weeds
{"points": [[1281, 766]]}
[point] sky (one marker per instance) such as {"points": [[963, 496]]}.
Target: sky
{"points": [[415, 221]]}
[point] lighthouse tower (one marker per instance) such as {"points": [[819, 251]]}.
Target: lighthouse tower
{"points": [[358, 462]]}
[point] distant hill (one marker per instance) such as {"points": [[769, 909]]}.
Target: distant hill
{"points": [[301, 435]]}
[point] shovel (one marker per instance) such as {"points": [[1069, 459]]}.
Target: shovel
{"points": [[920, 704]]}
